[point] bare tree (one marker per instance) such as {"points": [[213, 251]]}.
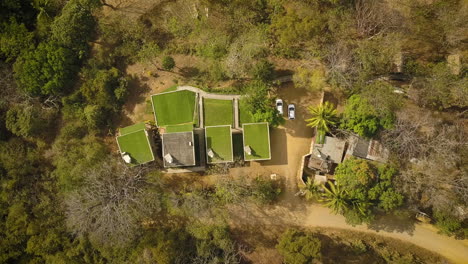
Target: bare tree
{"points": [[112, 203], [406, 139], [374, 17]]}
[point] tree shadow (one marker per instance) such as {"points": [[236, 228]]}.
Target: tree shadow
{"points": [[334, 249], [137, 91], [189, 72], [402, 222], [279, 147]]}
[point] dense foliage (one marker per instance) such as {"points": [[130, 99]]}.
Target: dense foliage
{"points": [[64, 82], [361, 187], [299, 247]]}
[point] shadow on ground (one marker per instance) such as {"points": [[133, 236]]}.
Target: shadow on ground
{"points": [[393, 223], [137, 90], [279, 147]]}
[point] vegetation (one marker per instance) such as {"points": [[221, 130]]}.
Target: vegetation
{"points": [[323, 117], [218, 112], [299, 247], [174, 108], [66, 87]]}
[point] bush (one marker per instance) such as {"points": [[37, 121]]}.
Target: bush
{"points": [[447, 223], [265, 191], [28, 120], [310, 79], [95, 116], [168, 63], [263, 71], [260, 105], [363, 118], [299, 247]]}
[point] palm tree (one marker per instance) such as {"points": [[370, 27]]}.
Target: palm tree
{"points": [[311, 190], [323, 116], [335, 198]]}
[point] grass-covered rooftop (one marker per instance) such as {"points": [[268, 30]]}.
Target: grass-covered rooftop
{"points": [[135, 144], [257, 139], [174, 108], [219, 141], [218, 112], [245, 116]]}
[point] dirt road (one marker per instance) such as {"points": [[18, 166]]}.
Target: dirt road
{"points": [[289, 144]]}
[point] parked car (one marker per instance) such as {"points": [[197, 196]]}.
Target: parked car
{"points": [[292, 111], [279, 106]]}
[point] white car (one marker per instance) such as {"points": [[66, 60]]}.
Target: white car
{"points": [[279, 106], [292, 111]]}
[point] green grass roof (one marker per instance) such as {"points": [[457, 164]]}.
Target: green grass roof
{"points": [[219, 139], [174, 108], [244, 115], [218, 112], [257, 137], [136, 144], [179, 128], [132, 128]]}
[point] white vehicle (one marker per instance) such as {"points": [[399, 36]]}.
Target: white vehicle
{"points": [[279, 106], [291, 111]]}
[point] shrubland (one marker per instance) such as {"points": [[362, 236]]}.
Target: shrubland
{"points": [[64, 83]]}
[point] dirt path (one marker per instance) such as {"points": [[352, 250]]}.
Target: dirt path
{"points": [[289, 144]]}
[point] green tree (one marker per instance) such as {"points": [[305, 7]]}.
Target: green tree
{"points": [[74, 28], [148, 52], [28, 120], [441, 89], [311, 79], [260, 106], [95, 116], [390, 199], [323, 117], [168, 63], [298, 247], [335, 198], [355, 173], [106, 88], [263, 71], [376, 56], [311, 190], [447, 223], [265, 191], [47, 70], [363, 118], [14, 39]]}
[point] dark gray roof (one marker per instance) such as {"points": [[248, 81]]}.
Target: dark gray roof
{"points": [[181, 147], [361, 148]]}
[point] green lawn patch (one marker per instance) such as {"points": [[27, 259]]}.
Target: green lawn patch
{"points": [[136, 144], [257, 137], [179, 128], [218, 112], [244, 115], [132, 128], [174, 108], [219, 139]]}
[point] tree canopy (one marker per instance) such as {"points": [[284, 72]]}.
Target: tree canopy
{"points": [[46, 70]]}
